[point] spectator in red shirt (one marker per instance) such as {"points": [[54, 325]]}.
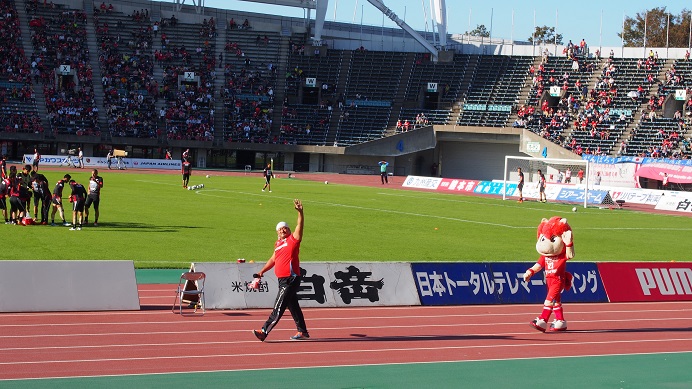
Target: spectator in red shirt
{"points": [[286, 266]]}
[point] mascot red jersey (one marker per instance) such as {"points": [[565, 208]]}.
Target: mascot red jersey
{"points": [[555, 246]]}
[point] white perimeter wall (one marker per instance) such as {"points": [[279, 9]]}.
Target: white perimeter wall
{"points": [[44, 286]]}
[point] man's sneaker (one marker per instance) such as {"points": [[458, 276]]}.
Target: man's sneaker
{"points": [[259, 334], [73, 229], [79, 228], [539, 324], [66, 224], [262, 190], [96, 224], [300, 336]]}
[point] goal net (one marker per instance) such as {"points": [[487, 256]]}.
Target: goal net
{"points": [[569, 174]]}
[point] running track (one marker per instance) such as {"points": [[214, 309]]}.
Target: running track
{"points": [[155, 340]]}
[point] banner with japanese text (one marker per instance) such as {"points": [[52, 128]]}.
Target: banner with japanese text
{"points": [[102, 162], [323, 285], [577, 195], [499, 283], [675, 201], [647, 281]]}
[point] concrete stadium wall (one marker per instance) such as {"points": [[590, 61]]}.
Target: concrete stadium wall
{"points": [[47, 286], [475, 160]]}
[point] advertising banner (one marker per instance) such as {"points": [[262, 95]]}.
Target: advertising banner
{"points": [[675, 201], [621, 174], [422, 182], [490, 188], [499, 283], [676, 173], [647, 281], [457, 185], [102, 162], [636, 196], [575, 195], [323, 285], [600, 159]]}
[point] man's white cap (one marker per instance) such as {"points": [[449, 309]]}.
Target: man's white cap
{"points": [[281, 225]]}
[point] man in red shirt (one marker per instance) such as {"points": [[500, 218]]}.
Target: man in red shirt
{"points": [[286, 266]]}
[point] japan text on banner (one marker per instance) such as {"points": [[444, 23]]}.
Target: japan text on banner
{"points": [[675, 201], [636, 196], [102, 162], [647, 281], [577, 195], [457, 185], [490, 188], [322, 285], [418, 182], [499, 283]]}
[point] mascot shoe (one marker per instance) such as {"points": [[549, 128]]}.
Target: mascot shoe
{"points": [[539, 324]]}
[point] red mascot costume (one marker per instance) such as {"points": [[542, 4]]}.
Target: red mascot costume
{"points": [[555, 246]]}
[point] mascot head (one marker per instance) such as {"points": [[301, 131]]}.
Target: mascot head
{"points": [[555, 237]]}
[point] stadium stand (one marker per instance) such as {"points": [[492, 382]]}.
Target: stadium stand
{"points": [[161, 83], [59, 40], [18, 110], [250, 74], [656, 138], [360, 123], [494, 90], [448, 75], [127, 65], [305, 124], [188, 59], [374, 75]]}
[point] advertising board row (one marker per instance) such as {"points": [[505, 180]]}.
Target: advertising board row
{"points": [[662, 199], [102, 162], [555, 192], [401, 284]]}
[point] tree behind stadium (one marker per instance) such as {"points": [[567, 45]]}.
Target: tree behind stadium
{"points": [[658, 29]]}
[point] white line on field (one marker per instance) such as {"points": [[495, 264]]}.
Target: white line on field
{"points": [[205, 192]]}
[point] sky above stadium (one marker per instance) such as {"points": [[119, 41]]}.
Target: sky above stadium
{"points": [[598, 22]]}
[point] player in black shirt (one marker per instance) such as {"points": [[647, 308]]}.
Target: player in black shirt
{"points": [[57, 200], [3, 167], [187, 172], [268, 175], [4, 192], [77, 198], [39, 184]]}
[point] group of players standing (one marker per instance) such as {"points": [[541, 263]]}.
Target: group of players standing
{"points": [[20, 187]]}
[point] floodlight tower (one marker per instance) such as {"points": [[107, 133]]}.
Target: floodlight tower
{"points": [[198, 4], [320, 6]]}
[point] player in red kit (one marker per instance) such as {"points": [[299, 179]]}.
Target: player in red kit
{"points": [[286, 266]]}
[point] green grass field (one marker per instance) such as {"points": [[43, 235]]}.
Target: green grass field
{"points": [[151, 219]]}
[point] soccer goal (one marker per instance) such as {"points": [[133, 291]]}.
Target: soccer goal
{"points": [[559, 173]]}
